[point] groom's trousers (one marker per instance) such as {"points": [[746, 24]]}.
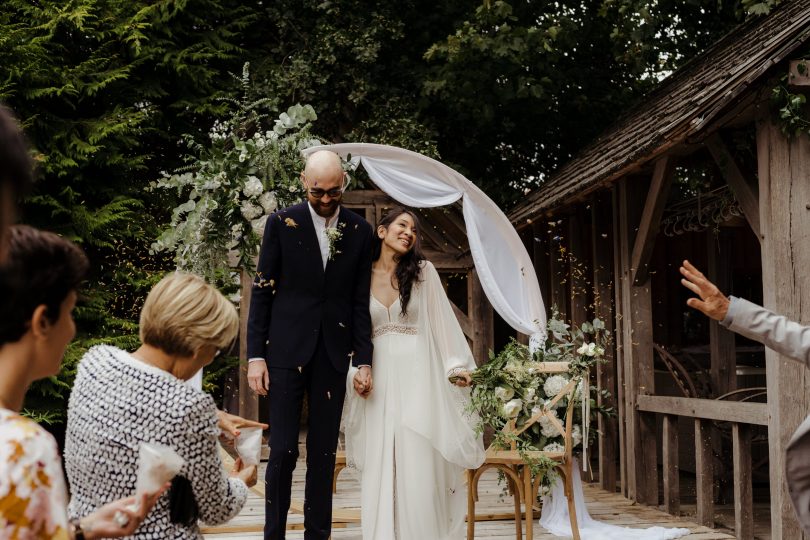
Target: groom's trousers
{"points": [[325, 388]]}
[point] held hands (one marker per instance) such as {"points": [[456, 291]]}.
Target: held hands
{"points": [[362, 382], [106, 522], [258, 377], [712, 302], [245, 474]]}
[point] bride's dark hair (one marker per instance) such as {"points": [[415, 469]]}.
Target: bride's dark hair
{"points": [[409, 264]]}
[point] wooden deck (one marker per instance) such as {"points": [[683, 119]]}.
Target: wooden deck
{"points": [[604, 506]]}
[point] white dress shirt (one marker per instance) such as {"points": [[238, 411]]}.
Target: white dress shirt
{"points": [[321, 224]]}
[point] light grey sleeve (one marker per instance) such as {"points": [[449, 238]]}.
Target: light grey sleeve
{"points": [[774, 331]]}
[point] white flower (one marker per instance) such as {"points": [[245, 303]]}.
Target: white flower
{"points": [[547, 426], [242, 157], [333, 236], [512, 408], [260, 143], [258, 224], [504, 393], [251, 211], [587, 349], [554, 447], [268, 202], [554, 385], [253, 187], [530, 394], [576, 435]]}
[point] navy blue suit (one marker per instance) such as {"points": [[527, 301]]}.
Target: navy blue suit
{"points": [[309, 324]]}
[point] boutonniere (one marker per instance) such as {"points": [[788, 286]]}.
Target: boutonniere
{"points": [[333, 236]]}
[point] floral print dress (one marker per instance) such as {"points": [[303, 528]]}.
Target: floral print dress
{"points": [[33, 495]]}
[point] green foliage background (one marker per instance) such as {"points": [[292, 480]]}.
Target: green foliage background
{"points": [[503, 91]]}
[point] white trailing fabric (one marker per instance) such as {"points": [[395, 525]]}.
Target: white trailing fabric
{"points": [[504, 267], [554, 518]]}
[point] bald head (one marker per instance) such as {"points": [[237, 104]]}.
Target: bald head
{"points": [[322, 166], [323, 177]]}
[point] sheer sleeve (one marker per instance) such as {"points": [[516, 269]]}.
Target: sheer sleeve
{"points": [[451, 344]]}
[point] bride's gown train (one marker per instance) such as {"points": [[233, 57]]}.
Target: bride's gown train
{"points": [[412, 439]]}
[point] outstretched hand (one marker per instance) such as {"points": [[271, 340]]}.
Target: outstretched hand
{"points": [[712, 302], [230, 423]]}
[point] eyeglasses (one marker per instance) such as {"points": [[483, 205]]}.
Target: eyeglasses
{"points": [[318, 193]]}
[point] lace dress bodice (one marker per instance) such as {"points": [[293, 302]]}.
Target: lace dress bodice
{"points": [[390, 320]]}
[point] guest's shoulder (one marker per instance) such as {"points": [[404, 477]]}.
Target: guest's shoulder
{"points": [[22, 436]]}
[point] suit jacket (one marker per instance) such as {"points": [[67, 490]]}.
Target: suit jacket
{"points": [[294, 300], [792, 340]]}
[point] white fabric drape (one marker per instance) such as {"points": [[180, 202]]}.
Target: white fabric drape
{"points": [[554, 518], [504, 267]]}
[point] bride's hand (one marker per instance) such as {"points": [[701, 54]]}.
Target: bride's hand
{"points": [[462, 379], [362, 382]]}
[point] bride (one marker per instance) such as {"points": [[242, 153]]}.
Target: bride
{"points": [[412, 438]]}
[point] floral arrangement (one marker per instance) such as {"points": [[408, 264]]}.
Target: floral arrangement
{"points": [[233, 183], [510, 388]]}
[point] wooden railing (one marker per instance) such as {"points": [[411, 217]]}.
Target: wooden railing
{"points": [[741, 415]]}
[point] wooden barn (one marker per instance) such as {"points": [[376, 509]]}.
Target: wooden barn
{"points": [[699, 170]]}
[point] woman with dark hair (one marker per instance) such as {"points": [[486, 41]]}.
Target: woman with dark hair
{"points": [[38, 286], [412, 438]]}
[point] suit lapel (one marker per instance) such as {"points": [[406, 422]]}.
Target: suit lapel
{"points": [[310, 239], [340, 223]]}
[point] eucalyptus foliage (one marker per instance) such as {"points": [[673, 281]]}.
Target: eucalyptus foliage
{"points": [[233, 183]]}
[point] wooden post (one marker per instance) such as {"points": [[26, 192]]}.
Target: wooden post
{"points": [[482, 318], [602, 257], [540, 255], [637, 329], [721, 340], [248, 400], [577, 268], [784, 196], [743, 490], [618, 294], [669, 456], [558, 269], [704, 473]]}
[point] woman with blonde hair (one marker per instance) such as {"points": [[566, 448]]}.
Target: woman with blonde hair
{"points": [[122, 399]]}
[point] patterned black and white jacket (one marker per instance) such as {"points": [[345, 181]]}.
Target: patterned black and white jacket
{"points": [[118, 402]]}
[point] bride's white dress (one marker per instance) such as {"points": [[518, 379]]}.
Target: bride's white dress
{"points": [[412, 438]]}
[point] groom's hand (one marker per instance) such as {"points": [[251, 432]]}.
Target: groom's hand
{"points": [[362, 382], [258, 377]]}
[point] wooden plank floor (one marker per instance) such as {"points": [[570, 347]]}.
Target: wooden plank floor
{"points": [[604, 506]]}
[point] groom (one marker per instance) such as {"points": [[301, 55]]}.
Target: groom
{"points": [[308, 322]]}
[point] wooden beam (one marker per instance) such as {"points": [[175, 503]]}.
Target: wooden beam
{"points": [[540, 255], [578, 256], [481, 315], [448, 261], [704, 473], [637, 328], [783, 170], [669, 458], [745, 412], [558, 269], [737, 181], [651, 218], [618, 335], [463, 321], [722, 342], [602, 265], [743, 490], [248, 399]]}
